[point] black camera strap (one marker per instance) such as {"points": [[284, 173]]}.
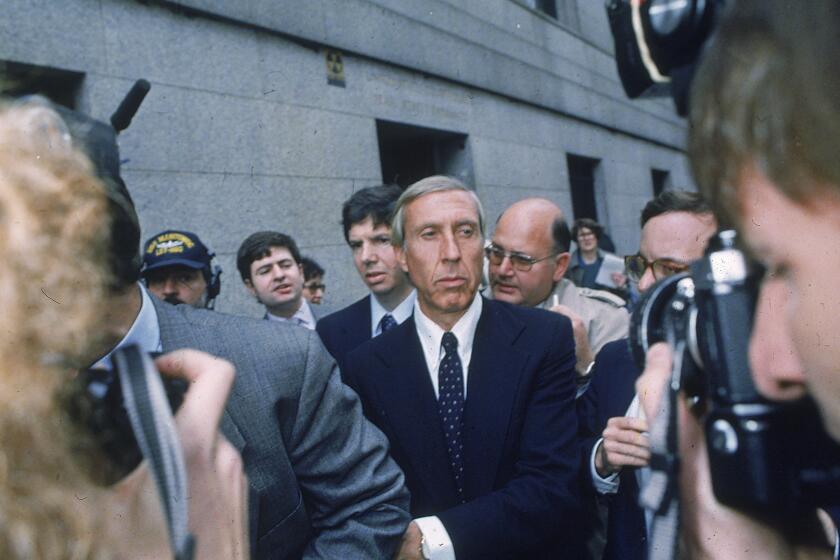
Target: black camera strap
{"points": [[661, 493], [153, 425]]}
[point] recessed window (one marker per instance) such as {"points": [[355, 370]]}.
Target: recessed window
{"points": [[582, 173], [564, 11], [409, 153], [661, 180], [60, 86]]}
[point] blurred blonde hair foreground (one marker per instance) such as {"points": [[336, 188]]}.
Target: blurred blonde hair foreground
{"points": [[54, 234]]}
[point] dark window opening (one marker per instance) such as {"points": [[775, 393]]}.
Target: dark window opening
{"points": [[564, 11], [60, 86], [582, 184], [548, 7], [409, 153], [661, 180]]}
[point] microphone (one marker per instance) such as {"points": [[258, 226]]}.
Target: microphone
{"points": [[129, 106]]}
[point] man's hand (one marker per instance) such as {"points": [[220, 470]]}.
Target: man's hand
{"points": [[411, 542], [217, 486], [619, 279], [583, 351], [625, 444], [709, 529]]}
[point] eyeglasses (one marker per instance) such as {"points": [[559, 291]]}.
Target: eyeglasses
{"points": [[636, 265], [314, 287], [520, 261]]}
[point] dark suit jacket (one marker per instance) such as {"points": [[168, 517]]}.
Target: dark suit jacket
{"points": [[610, 393], [346, 329], [520, 450], [322, 483]]}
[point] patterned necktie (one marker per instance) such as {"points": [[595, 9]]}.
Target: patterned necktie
{"points": [[451, 407], [387, 323]]}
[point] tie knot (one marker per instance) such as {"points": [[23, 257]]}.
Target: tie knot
{"points": [[449, 342], [387, 323]]}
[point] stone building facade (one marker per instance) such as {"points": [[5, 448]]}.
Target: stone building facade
{"points": [[268, 114]]}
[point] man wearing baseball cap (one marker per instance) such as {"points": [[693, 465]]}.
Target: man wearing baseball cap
{"points": [[177, 268]]}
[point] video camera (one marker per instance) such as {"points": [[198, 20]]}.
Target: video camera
{"points": [[658, 43], [766, 457]]}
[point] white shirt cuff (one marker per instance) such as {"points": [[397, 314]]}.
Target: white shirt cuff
{"points": [[608, 485], [436, 538]]}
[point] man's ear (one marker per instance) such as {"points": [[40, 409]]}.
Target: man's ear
{"points": [[399, 251], [561, 263], [249, 286]]}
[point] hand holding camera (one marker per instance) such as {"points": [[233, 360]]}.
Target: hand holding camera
{"points": [[711, 529], [217, 485]]}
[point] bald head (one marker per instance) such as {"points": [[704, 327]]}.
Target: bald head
{"points": [[538, 217], [533, 227]]}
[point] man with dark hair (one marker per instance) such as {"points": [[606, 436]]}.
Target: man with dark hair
{"points": [[320, 479], [675, 228], [527, 262], [763, 136], [269, 264], [313, 281], [177, 268], [366, 218], [476, 396]]}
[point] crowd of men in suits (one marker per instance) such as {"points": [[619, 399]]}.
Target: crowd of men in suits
{"points": [[476, 404], [503, 390]]}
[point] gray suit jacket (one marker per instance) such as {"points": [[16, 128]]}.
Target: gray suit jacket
{"points": [[322, 483]]}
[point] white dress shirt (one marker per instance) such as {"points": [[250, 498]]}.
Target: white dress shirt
{"points": [[144, 331], [430, 334], [303, 316], [400, 313]]}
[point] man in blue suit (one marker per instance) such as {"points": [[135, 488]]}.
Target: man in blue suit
{"points": [[475, 396], [676, 226], [366, 217]]}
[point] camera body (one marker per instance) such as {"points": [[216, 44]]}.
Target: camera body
{"points": [[657, 44], [96, 403], [766, 457]]}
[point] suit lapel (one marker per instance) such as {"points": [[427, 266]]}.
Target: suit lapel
{"points": [[357, 328], [176, 332], [495, 373], [407, 395]]}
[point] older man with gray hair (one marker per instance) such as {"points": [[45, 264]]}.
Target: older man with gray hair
{"points": [[475, 396]]}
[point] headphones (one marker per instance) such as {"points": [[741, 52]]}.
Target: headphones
{"points": [[214, 282]]}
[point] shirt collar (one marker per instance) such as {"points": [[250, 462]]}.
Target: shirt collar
{"points": [[303, 316], [144, 332], [400, 313], [431, 334]]}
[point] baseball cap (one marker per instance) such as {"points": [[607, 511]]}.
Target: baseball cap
{"points": [[172, 247]]}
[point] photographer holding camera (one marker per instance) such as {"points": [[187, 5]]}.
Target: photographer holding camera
{"points": [[764, 126], [54, 211]]}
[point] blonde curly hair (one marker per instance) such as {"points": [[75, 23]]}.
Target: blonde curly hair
{"points": [[54, 234]]}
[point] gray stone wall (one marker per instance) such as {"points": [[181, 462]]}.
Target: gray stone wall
{"points": [[241, 131]]}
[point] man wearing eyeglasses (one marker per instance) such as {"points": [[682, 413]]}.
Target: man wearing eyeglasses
{"points": [[313, 281], [527, 259], [676, 226]]}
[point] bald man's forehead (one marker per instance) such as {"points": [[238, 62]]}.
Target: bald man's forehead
{"points": [[525, 232]]}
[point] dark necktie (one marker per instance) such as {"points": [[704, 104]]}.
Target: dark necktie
{"points": [[387, 323], [451, 407]]}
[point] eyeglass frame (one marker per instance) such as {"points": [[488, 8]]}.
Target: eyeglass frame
{"points": [[494, 250], [680, 267], [314, 287]]}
